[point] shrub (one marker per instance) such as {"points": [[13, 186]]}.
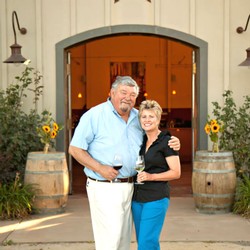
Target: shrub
{"points": [[19, 134], [18, 129], [16, 199], [236, 138], [236, 130], [242, 201]]}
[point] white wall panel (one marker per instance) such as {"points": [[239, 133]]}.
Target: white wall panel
{"points": [[49, 22], [3, 46], [90, 14], [175, 14], [210, 27], [26, 18], [55, 27], [132, 12], [239, 76]]}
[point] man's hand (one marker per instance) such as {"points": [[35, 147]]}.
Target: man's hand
{"points": [[84, 158], [174, 143], [108, 172]]}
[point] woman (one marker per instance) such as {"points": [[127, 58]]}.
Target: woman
{"points": [[162, 164]]}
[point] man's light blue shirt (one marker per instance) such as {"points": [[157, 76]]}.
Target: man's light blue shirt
{"points": [[103, 133]]}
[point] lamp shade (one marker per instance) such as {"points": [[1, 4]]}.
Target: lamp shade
{"points": [[247, 61], [16, 56]]}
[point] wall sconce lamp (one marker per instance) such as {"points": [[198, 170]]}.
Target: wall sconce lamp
{"points": [[16, 56], [239, 31]]}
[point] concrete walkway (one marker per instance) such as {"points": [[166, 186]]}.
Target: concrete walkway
{"points": [[184, 228]]}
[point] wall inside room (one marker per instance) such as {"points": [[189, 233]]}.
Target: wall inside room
{"points": [[168, 68]]}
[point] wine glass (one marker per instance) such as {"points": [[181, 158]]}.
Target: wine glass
{"points": [[139, 166], [117, 164]]}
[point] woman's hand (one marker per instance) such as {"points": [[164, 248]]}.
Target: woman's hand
{"points": [[143, 176], [173, 173], [174, 143]]}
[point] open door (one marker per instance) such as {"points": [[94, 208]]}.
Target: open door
{"points": [[194, 106], [77, 98], [68, 115], [168, 76]]}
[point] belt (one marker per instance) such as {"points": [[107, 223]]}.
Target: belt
{"points": [[127, 180]]}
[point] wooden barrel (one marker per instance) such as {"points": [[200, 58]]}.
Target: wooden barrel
{"points": [[49, 173], [213, 182]]}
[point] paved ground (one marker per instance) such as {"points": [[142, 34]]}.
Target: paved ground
{"points": [[184, 229], [164, 246]]}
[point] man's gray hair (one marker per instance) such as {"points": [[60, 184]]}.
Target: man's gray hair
{"points": [[127, 81]]}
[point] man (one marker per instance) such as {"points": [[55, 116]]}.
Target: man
{"points": [[105, 130]]}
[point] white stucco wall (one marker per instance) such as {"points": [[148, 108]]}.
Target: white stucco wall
{"points": [[50, 21]]}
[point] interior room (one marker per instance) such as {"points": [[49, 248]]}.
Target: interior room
{"points": [[163, 70]]}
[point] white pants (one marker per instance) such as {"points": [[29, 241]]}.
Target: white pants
{"points": [[110, 207]]}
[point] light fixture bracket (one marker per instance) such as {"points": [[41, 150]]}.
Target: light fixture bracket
{"points": [[240, 29]]}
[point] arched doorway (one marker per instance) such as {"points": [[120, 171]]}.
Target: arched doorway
{"points": [[154, 40]]}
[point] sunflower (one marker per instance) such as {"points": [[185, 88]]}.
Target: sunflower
{"points": [[207, 129], [215, 128], [55, 126], [213, 122], [212, 129], [53, 134], [46, 128]]}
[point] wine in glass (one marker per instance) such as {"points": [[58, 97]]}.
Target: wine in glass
{"points": [[117, 164], [139, 166]]}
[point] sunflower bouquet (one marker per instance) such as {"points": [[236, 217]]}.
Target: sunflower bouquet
{"points": [[48, 130], [212, 128]]}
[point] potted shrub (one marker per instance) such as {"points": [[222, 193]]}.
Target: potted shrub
{"points": [[48, 169], [214, 174]]}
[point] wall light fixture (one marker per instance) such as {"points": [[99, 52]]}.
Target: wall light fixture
{"points": [[16, 56]]}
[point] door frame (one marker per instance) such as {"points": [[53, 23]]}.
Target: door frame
{"points": [[201, 51]]}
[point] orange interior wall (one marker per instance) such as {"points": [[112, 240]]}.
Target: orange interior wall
{"points": [[168, 67]]}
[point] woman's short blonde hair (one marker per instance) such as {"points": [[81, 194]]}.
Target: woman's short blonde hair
{"points": [[151, 105]]}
